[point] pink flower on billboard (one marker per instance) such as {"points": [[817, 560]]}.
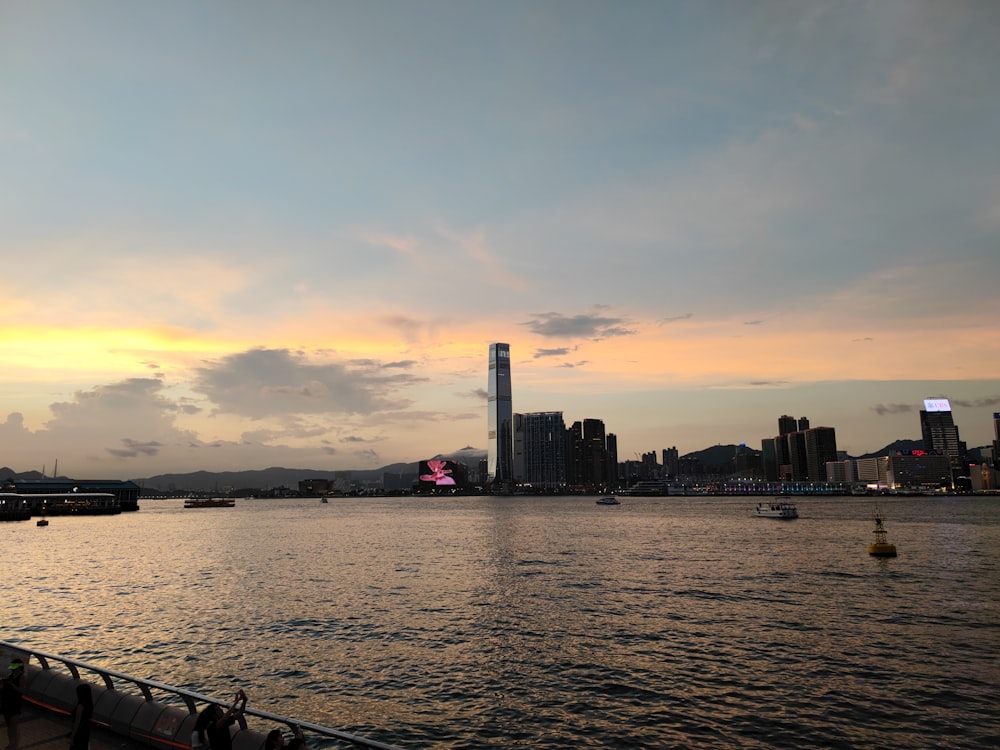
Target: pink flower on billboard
{"points": [[438, 473]]}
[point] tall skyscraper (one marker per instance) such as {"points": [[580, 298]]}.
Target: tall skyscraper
{"points": [[499, 454], [786, 424], [938, 428], [821, 449]]}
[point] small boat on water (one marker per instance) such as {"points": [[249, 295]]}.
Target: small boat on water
{"points": [[881, 547], [609, 501], [776, 509], [210, 502]]}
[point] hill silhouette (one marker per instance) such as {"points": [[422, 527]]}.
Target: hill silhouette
{"points": [[278, 476]]}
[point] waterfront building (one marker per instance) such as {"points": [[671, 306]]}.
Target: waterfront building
{"points": [[906, 470], [996, 440], [768, 458], [589, 463], [500, 411], [611, 445], [746, 462], [671, 462], [125, 493], [595, 453], [543, 449], [872, 471], [840, 471], [517, 448], [821, 448], [938, 430], [800, 455], [797, 457]]}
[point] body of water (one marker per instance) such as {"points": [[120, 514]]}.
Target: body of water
{"points": [[541, 622]]}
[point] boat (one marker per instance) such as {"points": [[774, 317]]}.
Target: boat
{"points": [[881, 547], [210, 502], [609, 501], [776, 509]]}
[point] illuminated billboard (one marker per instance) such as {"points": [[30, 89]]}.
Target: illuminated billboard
{"points": [[936, 404], [438, 472]]}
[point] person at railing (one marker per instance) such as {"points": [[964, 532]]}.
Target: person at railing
{"points": [[214, 724], [82, 713], [276, 740], [199, 740], [10, 696]]}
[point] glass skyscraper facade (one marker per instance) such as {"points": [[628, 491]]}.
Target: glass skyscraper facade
{"points": [[937, 428], [499, 456]]}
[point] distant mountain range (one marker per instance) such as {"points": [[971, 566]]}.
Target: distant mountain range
{"points": [[276, 476]]}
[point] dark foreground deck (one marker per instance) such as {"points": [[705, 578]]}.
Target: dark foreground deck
{"points": [[127, 716], [42, 729]]}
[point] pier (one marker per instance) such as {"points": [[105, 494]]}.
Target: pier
{"points": [[128, 717]]}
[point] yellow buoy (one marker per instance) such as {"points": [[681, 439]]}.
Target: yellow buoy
{"points": [[881, 546]]}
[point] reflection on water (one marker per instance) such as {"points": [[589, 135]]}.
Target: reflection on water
{"points": [[541, 623]]}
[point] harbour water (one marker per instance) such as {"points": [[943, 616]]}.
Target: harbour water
{"points": [[541, 623]]}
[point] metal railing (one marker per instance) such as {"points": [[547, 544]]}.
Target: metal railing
{"points": [[188, 697]]}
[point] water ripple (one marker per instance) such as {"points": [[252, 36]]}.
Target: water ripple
{"points": [[530, 623]]}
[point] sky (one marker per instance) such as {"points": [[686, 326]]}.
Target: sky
{"points": [[254, 234]]}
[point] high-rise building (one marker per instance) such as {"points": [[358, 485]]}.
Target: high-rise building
{"points": [[595, 453], [821, 449], [769, 458], [996, 440], [544, 443], [613, 470], [803, 424], [786, 424], [517, 450], [938, 428], [499, 454], [671, 462], [797, 457], [574, 454]]}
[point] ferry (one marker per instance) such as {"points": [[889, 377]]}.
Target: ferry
{"points": [[210, 502], [777, 509]]}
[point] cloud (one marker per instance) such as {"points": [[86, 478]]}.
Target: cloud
{"points": [[675, 318], [269, 382], [134, 448], [557, 325], [753, 322], [883, 409], [979, 403], [560, 352], [357, 439]]}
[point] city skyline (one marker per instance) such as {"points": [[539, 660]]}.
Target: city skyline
{"points": [[286, 235]]}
